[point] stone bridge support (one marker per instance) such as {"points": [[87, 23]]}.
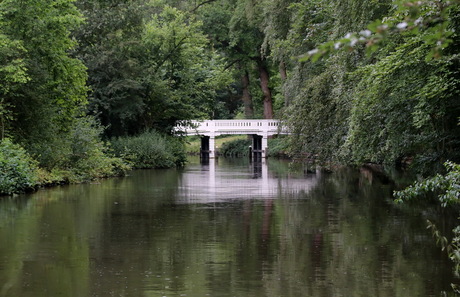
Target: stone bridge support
{"points": [[207, 148], [259, 147]]}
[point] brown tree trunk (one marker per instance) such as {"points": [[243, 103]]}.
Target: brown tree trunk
{"points": [[247, 98], [283, 72], [283, 75], [264, 79]]}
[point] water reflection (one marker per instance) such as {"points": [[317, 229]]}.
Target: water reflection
{"points": [[271, 232], [208, 182]]}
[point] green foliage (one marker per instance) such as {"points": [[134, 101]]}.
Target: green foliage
{"points": [[353, 107], [404, 106], [315, 119], [47, 88], [89, 156], [13, 73], [151, 150], [431, 19], [12, 68], [235, 148], [320, 94], [446, 189], [18, 171], [278, 147], [78, 155], [149, 66]]}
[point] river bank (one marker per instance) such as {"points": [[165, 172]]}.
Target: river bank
{"points": [[87, 161]]}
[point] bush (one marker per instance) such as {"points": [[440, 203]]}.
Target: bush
{"points": [[278, 147], [90, 157], [151, 150], [77, 155], [74, 155], [18, 171], [235, 148]]}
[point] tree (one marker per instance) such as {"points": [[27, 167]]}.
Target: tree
{"points": [[53, 88], [12, 74], [406, 106], [320, 94], [150, 69], [109, 43], [435, 19], [239, 36]]}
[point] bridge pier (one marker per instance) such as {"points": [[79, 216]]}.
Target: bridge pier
{"points": [[259, 147], [207, 148]]}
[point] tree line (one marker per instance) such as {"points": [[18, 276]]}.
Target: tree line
{"points": [[355, 80]]}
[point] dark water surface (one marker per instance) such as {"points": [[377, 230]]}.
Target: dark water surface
{"points": [[225, 229]]}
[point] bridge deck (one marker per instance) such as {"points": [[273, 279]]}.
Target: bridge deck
{"points": [[222, 127]]}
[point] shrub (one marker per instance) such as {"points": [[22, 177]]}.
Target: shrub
{"points": [[235, 148], [89, 156], [278, 147], [74, 155], [151, 150], [18, 171]]}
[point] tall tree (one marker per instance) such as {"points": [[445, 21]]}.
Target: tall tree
{"points": [[321, 93], [246, 96], [108, 43], [149, 65], [12, 74], [236, 29], [276, 26], [247, 36], [54, 92]]}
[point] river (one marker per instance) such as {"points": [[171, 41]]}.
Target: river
{"points": [[228, 228]]}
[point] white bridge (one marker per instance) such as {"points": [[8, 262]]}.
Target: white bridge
{"points": [[209, 129]]}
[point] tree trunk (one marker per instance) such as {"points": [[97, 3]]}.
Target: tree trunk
{"points": [[247, 98], [283, 72], [283, 75], [264, 79]]}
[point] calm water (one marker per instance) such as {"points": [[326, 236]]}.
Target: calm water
{"points": [[226, 229]]}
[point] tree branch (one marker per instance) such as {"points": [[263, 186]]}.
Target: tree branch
{"points": [[201, 4], [231, 64]]}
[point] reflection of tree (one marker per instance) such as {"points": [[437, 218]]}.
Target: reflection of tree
{"points": [[354, 242], [51, 241], [45, 254], [127, 237]]}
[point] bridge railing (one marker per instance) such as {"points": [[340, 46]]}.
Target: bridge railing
{"points": [[218, 127]]}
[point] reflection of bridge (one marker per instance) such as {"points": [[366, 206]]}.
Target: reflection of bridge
{"points": [[207, 183], [259, 129]]}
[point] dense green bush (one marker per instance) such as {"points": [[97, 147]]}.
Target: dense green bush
{"points": [[18, 171], [78, 155], [151, 150], [278, 147], [89, 156], [235, 148]]}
